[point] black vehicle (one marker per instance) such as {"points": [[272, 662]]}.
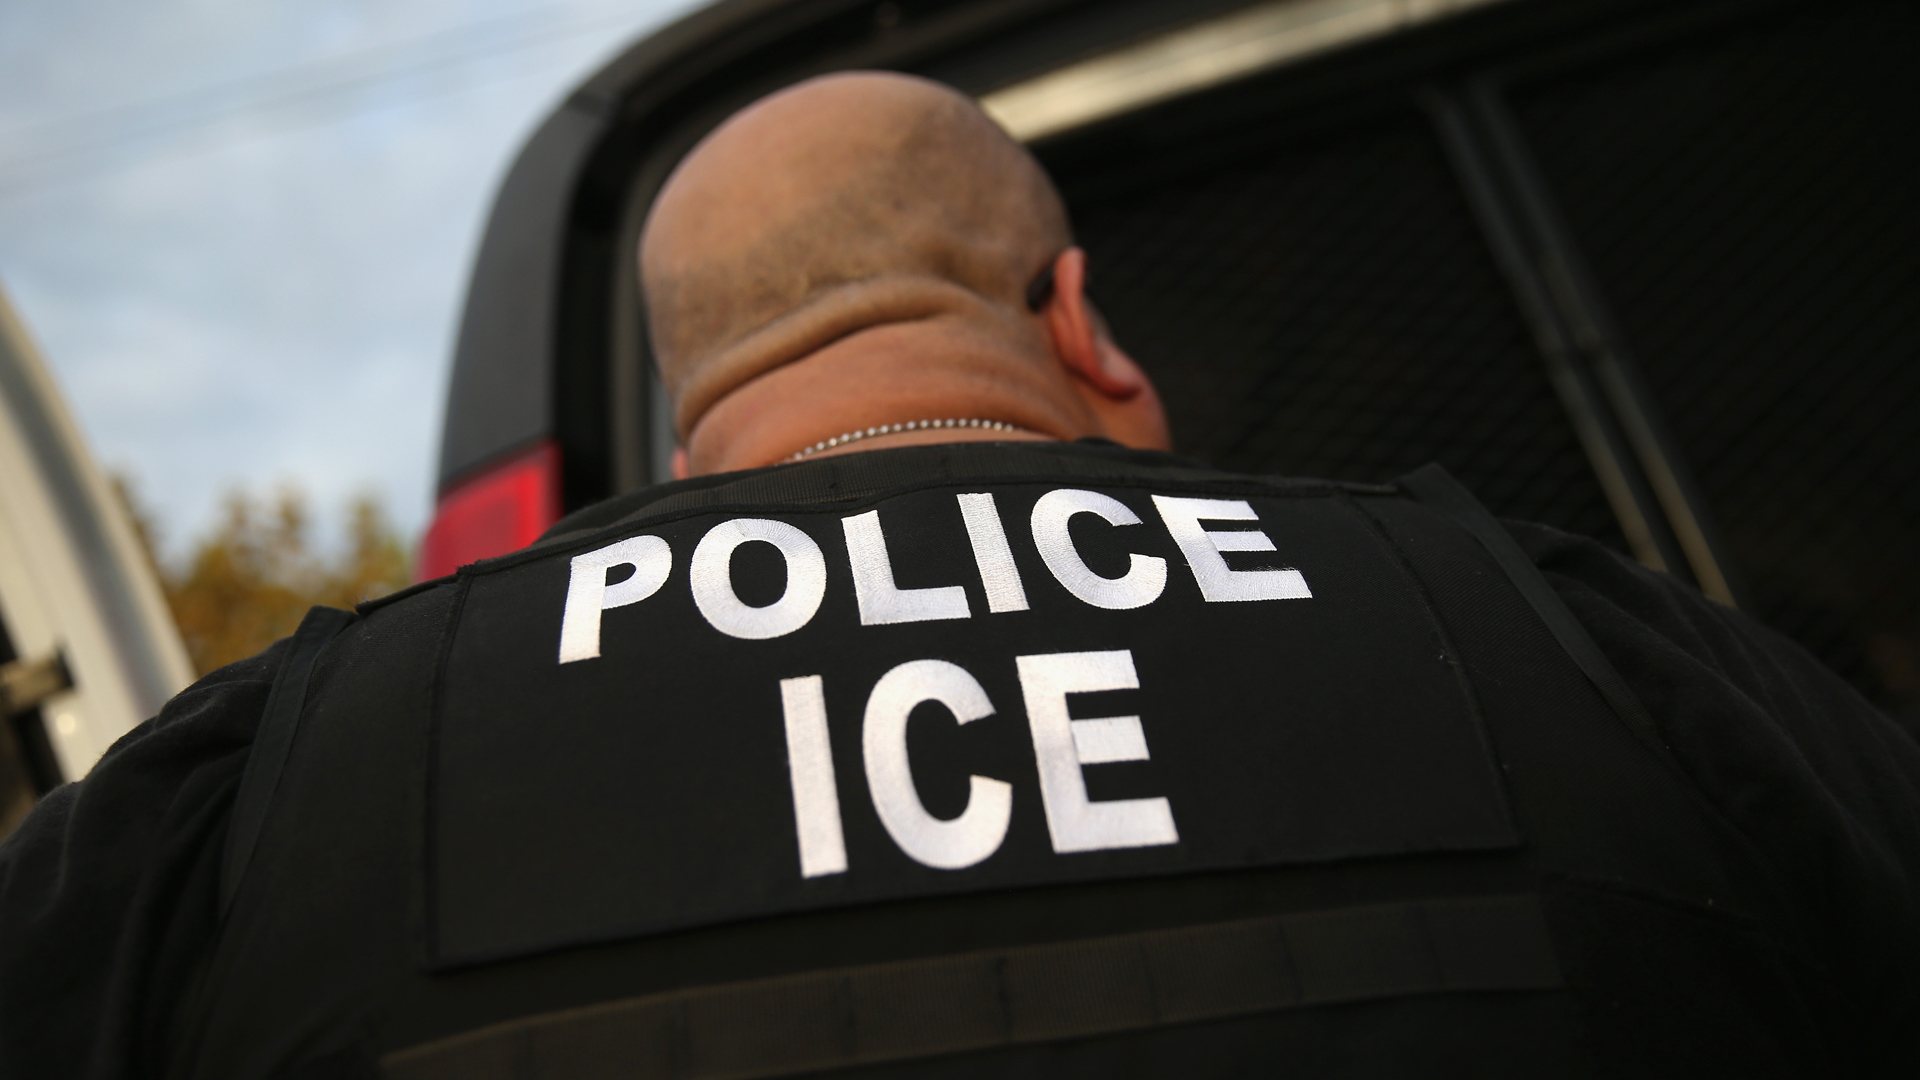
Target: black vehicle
{"points": [[1648, 271]]}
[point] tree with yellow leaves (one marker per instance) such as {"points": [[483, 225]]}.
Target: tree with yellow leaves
{"points": [[248, 582]]}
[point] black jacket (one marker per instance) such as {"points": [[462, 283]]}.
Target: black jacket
{"points": [[1264, 774]]}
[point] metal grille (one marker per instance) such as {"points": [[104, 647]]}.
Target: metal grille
{"points": [[1327, 308], [1746, 201]]}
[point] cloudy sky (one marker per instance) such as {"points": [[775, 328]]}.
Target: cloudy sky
{"points": [[240, 230]]}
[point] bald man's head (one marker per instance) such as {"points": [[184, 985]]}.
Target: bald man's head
{"points": [[841, 203]]}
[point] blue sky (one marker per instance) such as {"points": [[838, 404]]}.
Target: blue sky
{"points": [[241, 229]]}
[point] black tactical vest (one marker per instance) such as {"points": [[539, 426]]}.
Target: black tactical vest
{"points": [[981, 760]]}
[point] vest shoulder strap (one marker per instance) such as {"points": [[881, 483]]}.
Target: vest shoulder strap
{"points": [[271, 744], [1437, 488]]}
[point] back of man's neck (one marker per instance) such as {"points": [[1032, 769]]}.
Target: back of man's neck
{"points": [[912, 373]]}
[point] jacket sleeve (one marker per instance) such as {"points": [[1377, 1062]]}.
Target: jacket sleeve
{"points": [[1815, 776], [107, 889]]}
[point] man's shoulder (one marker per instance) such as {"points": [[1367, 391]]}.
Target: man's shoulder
{"points": [[1743, 707], [102, 862]]}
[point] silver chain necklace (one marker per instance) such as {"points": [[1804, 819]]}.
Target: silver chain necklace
{"points": [[894, 429]]}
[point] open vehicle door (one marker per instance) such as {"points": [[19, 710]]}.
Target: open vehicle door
{"points": [[88, 648]]}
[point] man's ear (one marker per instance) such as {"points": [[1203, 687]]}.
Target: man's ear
{"points": [[1075, 335]]}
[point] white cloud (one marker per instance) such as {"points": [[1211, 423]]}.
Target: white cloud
{"points": [[237, 295]]}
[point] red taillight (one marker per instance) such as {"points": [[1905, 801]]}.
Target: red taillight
{"points": [[491, 513]]}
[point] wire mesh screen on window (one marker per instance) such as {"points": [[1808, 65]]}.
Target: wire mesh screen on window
{"points": [[1746, 202], [1327, 307]]}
